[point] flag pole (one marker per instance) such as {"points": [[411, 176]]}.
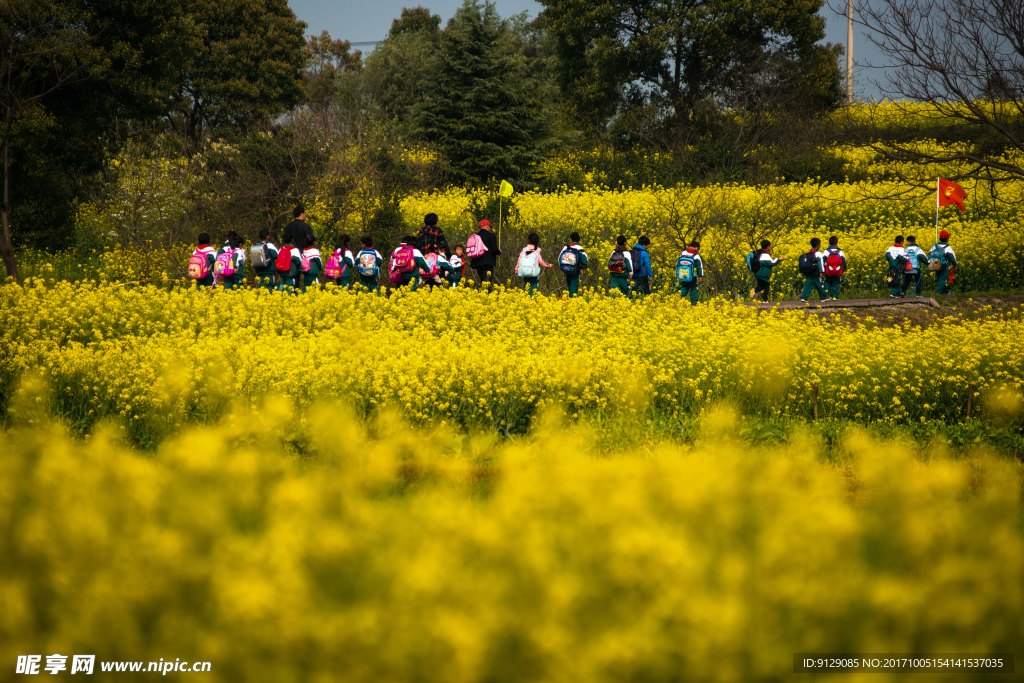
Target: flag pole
{"points": [[936, 211]]}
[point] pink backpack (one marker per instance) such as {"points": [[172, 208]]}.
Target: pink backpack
{"points": [[336, 267], [307, 262], [224, 266], [433, 267], [404, 259], [198, 267], [475, 247]]}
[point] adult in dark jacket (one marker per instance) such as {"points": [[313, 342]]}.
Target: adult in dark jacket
{"points": [[484, 264], [431, 235], [298, 231]]}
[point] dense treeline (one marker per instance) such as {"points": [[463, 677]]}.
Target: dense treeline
{"points": [[184, 115]]}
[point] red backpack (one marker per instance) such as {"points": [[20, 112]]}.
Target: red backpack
{"points": [[284, 259], [834, 263]]}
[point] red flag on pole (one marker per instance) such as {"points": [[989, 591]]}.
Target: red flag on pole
{"points": [[951, 193]]}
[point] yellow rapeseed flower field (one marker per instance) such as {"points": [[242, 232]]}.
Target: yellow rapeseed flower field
{"points": [[309, 546], [155, 359]]}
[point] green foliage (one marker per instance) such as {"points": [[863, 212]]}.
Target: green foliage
{"points": [[329, 62], [483, 111], [681, 56], [415, 20], [242, 64]]}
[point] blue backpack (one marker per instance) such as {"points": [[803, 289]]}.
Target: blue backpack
{"points": [[752, 259], [937, 257], [686, 270], [366, 262]]}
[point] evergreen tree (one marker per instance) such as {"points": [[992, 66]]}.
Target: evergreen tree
{"points": [[484, 112]]}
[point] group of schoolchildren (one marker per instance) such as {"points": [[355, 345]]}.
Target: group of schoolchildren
{"points": [[426, 260], [823, 269]]}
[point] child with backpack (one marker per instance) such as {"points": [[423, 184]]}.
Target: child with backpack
{"points": [[762, 264], [942, 260], [620, 266], [914, 269], [263, 254], [229, 267], [436, 272], [288, 265], [642, 272], [368, 262], [896, 257], [573, 260], [690, 272], [200, 263], [812, 267], [458, 265], [311, 263], [835, 266], [406, 261], [530, 262], [340, 264]]}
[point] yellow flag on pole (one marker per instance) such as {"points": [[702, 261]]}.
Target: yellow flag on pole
{"points": [[505, 190]]}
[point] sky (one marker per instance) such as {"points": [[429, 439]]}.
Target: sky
{"points": [[362, 21]]}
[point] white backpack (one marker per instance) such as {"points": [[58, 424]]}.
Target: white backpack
{"points": [[529, 264]]}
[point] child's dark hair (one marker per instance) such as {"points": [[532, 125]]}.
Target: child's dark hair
{"points": [[237, 241], [310, 241], [460, 246], [695, 244], [911, 238], [343, 242], [574, 237], [367, 241], [430, 219], [899, 239], [534, 239], [620, 241], [815, 242], [644, 240], [833, 241], [765, 244], [203, 238], [265, 234], [409, 240]]}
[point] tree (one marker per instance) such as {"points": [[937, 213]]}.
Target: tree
{"points": [[329, 61], [44, 49], [680, 54], [964, 59], [242, 64], [484, 111], [415, 20], [400, 71]]}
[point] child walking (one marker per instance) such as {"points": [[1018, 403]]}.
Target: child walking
{"points": [[458, 264], [312, 264], [341, 263], [200, 263], [620, 265], [762, 264], [369, 261], [573, 260], [530, 262], [263, 254]]}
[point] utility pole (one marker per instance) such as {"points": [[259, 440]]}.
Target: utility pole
{"points": [[849, 52]]}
